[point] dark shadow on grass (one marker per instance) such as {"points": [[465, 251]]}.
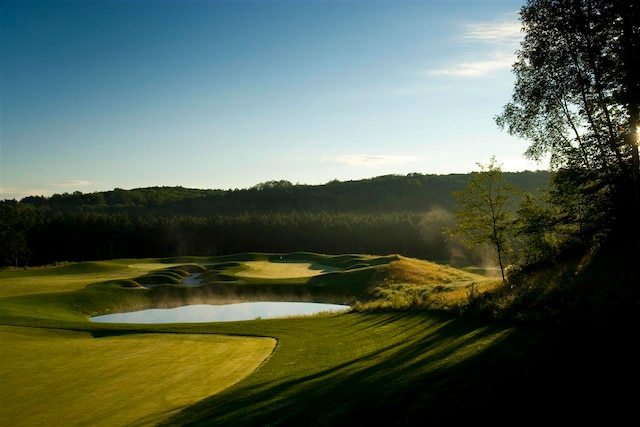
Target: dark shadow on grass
{"points": [[116, 333], [525, 376]]}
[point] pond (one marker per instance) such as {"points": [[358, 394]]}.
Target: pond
{"points": [[199, 313]]}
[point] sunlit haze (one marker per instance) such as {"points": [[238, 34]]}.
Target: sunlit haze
{"points": [[105, 94]]}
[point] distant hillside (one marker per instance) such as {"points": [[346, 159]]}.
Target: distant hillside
{"points": [[384, 215], [389, 193]]}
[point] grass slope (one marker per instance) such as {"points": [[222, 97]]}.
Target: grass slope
{"points": [[69, 277], [280, 269], [418, 368], [394, 367]]}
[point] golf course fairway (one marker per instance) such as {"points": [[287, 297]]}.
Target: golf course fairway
{"points": [[71, 277], [65, 378], [381, 367]]}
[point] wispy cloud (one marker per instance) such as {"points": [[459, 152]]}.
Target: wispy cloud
{"points": [[501, 31], [495, 62], [372, 160], [72, 183], [496, 41], [18, 193]]}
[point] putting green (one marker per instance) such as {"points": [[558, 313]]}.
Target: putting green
{"points": [[64, 378], [283, 269]]}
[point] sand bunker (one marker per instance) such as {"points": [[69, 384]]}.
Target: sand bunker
{"points": [[284, 269]]}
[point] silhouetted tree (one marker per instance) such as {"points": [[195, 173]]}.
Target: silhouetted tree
{"points": [[577, 96], [537, 227]]}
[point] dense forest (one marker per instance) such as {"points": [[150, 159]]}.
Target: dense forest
{"points": [[401, 214]]}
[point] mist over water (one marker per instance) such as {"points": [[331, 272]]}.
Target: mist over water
{"points": [[192, 280], [199, 313]]}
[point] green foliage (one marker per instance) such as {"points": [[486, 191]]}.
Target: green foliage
{"points": [[574, 83], [382, 215], [484, 212], [15, 221], [537, 228], [273, 185], [577, 100], [597, 287]]}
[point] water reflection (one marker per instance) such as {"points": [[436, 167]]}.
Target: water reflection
{"points": [[199, 313]]}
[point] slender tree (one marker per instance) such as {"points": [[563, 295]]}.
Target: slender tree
{"points": [[484, 212]]}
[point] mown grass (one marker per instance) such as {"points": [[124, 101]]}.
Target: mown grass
{"points": [[394, 367], [70, 276], [66, 378], [417, 368], [279, 269]]}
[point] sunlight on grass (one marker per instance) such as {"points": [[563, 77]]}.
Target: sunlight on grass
{"points": [[52, 377], [416, 284], [412, 361], [58, 279], [419, 272], [283, 270]]}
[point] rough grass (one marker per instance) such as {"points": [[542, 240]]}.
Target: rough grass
{"points": [[409, 284], [425, 273]]}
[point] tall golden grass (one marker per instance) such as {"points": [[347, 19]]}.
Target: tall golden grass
{"points": [[410, 283]]}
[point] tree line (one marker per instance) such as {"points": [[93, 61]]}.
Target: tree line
{"points": [[401, 214]]}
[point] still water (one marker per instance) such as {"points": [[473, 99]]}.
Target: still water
{"points": [[199, 313]]}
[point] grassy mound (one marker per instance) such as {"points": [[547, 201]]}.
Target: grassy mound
{"points": [[367, 282], [71, 276], [159, 278], [61, 269], [395, 367], [415, 284]]}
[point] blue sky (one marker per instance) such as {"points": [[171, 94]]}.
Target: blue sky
{"points": [[100, 94]]}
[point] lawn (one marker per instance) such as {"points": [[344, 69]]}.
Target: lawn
{"points": [[384, 367], [279, 269], [64, 378], [71, 277]]}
